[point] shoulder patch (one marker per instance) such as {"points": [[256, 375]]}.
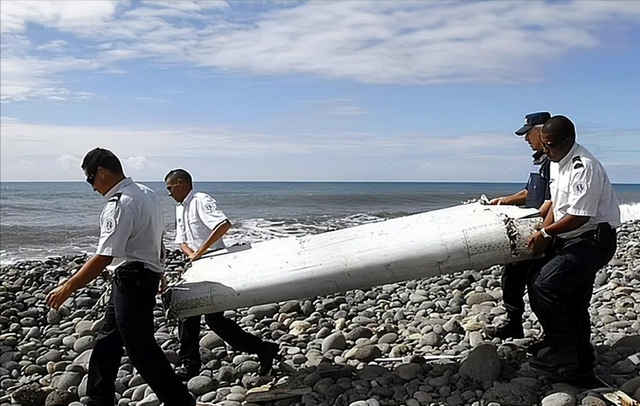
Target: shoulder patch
{"points": [[580, 187], [108, 225], [210, 207]]}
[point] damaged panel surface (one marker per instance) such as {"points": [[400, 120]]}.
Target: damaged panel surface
{"points": [[444, 241]]}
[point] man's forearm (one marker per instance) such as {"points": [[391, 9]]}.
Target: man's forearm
{"points": [[515, 199], [89, 271], [216, 234], [186, 250], [566, 224], [545, 209]]}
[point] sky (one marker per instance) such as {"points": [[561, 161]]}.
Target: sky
{"points": [[331, 90]]}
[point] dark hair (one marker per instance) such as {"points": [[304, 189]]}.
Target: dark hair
{"points": [[180, 174], [559, 127], [100, 157]]}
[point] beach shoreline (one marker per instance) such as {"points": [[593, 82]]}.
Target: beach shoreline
{"points": [[329, 342]]}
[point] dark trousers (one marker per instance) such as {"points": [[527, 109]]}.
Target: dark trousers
{"points": [[514, 282], [226, 329], [561, 290], [129, 322]]}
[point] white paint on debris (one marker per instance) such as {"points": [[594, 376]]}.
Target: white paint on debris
{"points": [[472, 236]]}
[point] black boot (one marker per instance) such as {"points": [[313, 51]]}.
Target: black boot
{"points": [[266, 355]]}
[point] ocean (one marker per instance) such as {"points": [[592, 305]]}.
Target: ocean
{"points": [[42, 219]]}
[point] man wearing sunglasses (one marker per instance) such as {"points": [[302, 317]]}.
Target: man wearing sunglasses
{"points": [[536, 195], [131, 228], [579, 238], [200, 226]]}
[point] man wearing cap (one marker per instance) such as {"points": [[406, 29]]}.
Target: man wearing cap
{"points": [[536, 195], [579, 238]]}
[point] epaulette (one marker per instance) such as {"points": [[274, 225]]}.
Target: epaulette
{"points": [[115, 197], [577, 162]]}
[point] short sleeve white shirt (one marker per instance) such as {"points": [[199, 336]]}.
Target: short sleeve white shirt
{"points": [[580, 187], [131, 226], [196, 217]]}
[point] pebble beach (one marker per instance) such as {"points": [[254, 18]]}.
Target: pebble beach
{"points": [[416, 343]]}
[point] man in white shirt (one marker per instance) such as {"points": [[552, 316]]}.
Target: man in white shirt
{"points": [[131, 228], [579, 238], [200, 225]]}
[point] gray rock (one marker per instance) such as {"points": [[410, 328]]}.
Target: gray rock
{"points": [[366, 353], [211, 341], [559, 399], [510, 394], [263, 311], [30, 395], [408, 372], [359, 332], [67, 380], [149, 400], [335, 341], [482, 365], [592, 401], [58, 398], [83, 344], [479, 297], [53, 317], [50, 356]]}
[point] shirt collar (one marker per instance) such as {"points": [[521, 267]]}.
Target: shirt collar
{"points": [[188, 198], [538, 156], [119, 186], [567, 158]]}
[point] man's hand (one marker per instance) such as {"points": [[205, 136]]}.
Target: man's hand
{"points": [[538, 244], [59, 295], [194, 256], [497, 201]]}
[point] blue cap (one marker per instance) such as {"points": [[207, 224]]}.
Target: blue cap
{"points": [[533, 119]]}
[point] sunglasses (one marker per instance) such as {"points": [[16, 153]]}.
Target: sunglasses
{"points": [[92, 178]]}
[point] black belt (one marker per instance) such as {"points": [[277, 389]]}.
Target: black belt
{"points": [[600, 235]]}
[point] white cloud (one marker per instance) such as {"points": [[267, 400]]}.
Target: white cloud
{"points": [[137, 163], [69, 162], [371, 42], [53, 46], [15, 14]]}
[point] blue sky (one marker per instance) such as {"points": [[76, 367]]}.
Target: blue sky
{"points": [[345, 90]]}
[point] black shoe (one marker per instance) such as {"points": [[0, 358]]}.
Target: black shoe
{"points": [[558, 360], [267, 354], [538, 346], [508, 330], [187, 371], [584, 379]]}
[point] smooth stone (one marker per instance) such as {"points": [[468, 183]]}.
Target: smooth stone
{"points": [[262, 311], [67, 380], [149, 400], [211, 341], [84, 343], [559, 399], [592, 401], [409, 371], [478, 298], [335, 341], [366, 353]]}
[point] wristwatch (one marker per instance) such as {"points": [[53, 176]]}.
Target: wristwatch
{"points": [[544, 233]]}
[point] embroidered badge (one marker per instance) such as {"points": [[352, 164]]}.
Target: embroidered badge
{"points": [[109, 225], [580, 187], [210, 207]]}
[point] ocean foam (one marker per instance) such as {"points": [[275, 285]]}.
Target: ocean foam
{"points": [[630, 212]]}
